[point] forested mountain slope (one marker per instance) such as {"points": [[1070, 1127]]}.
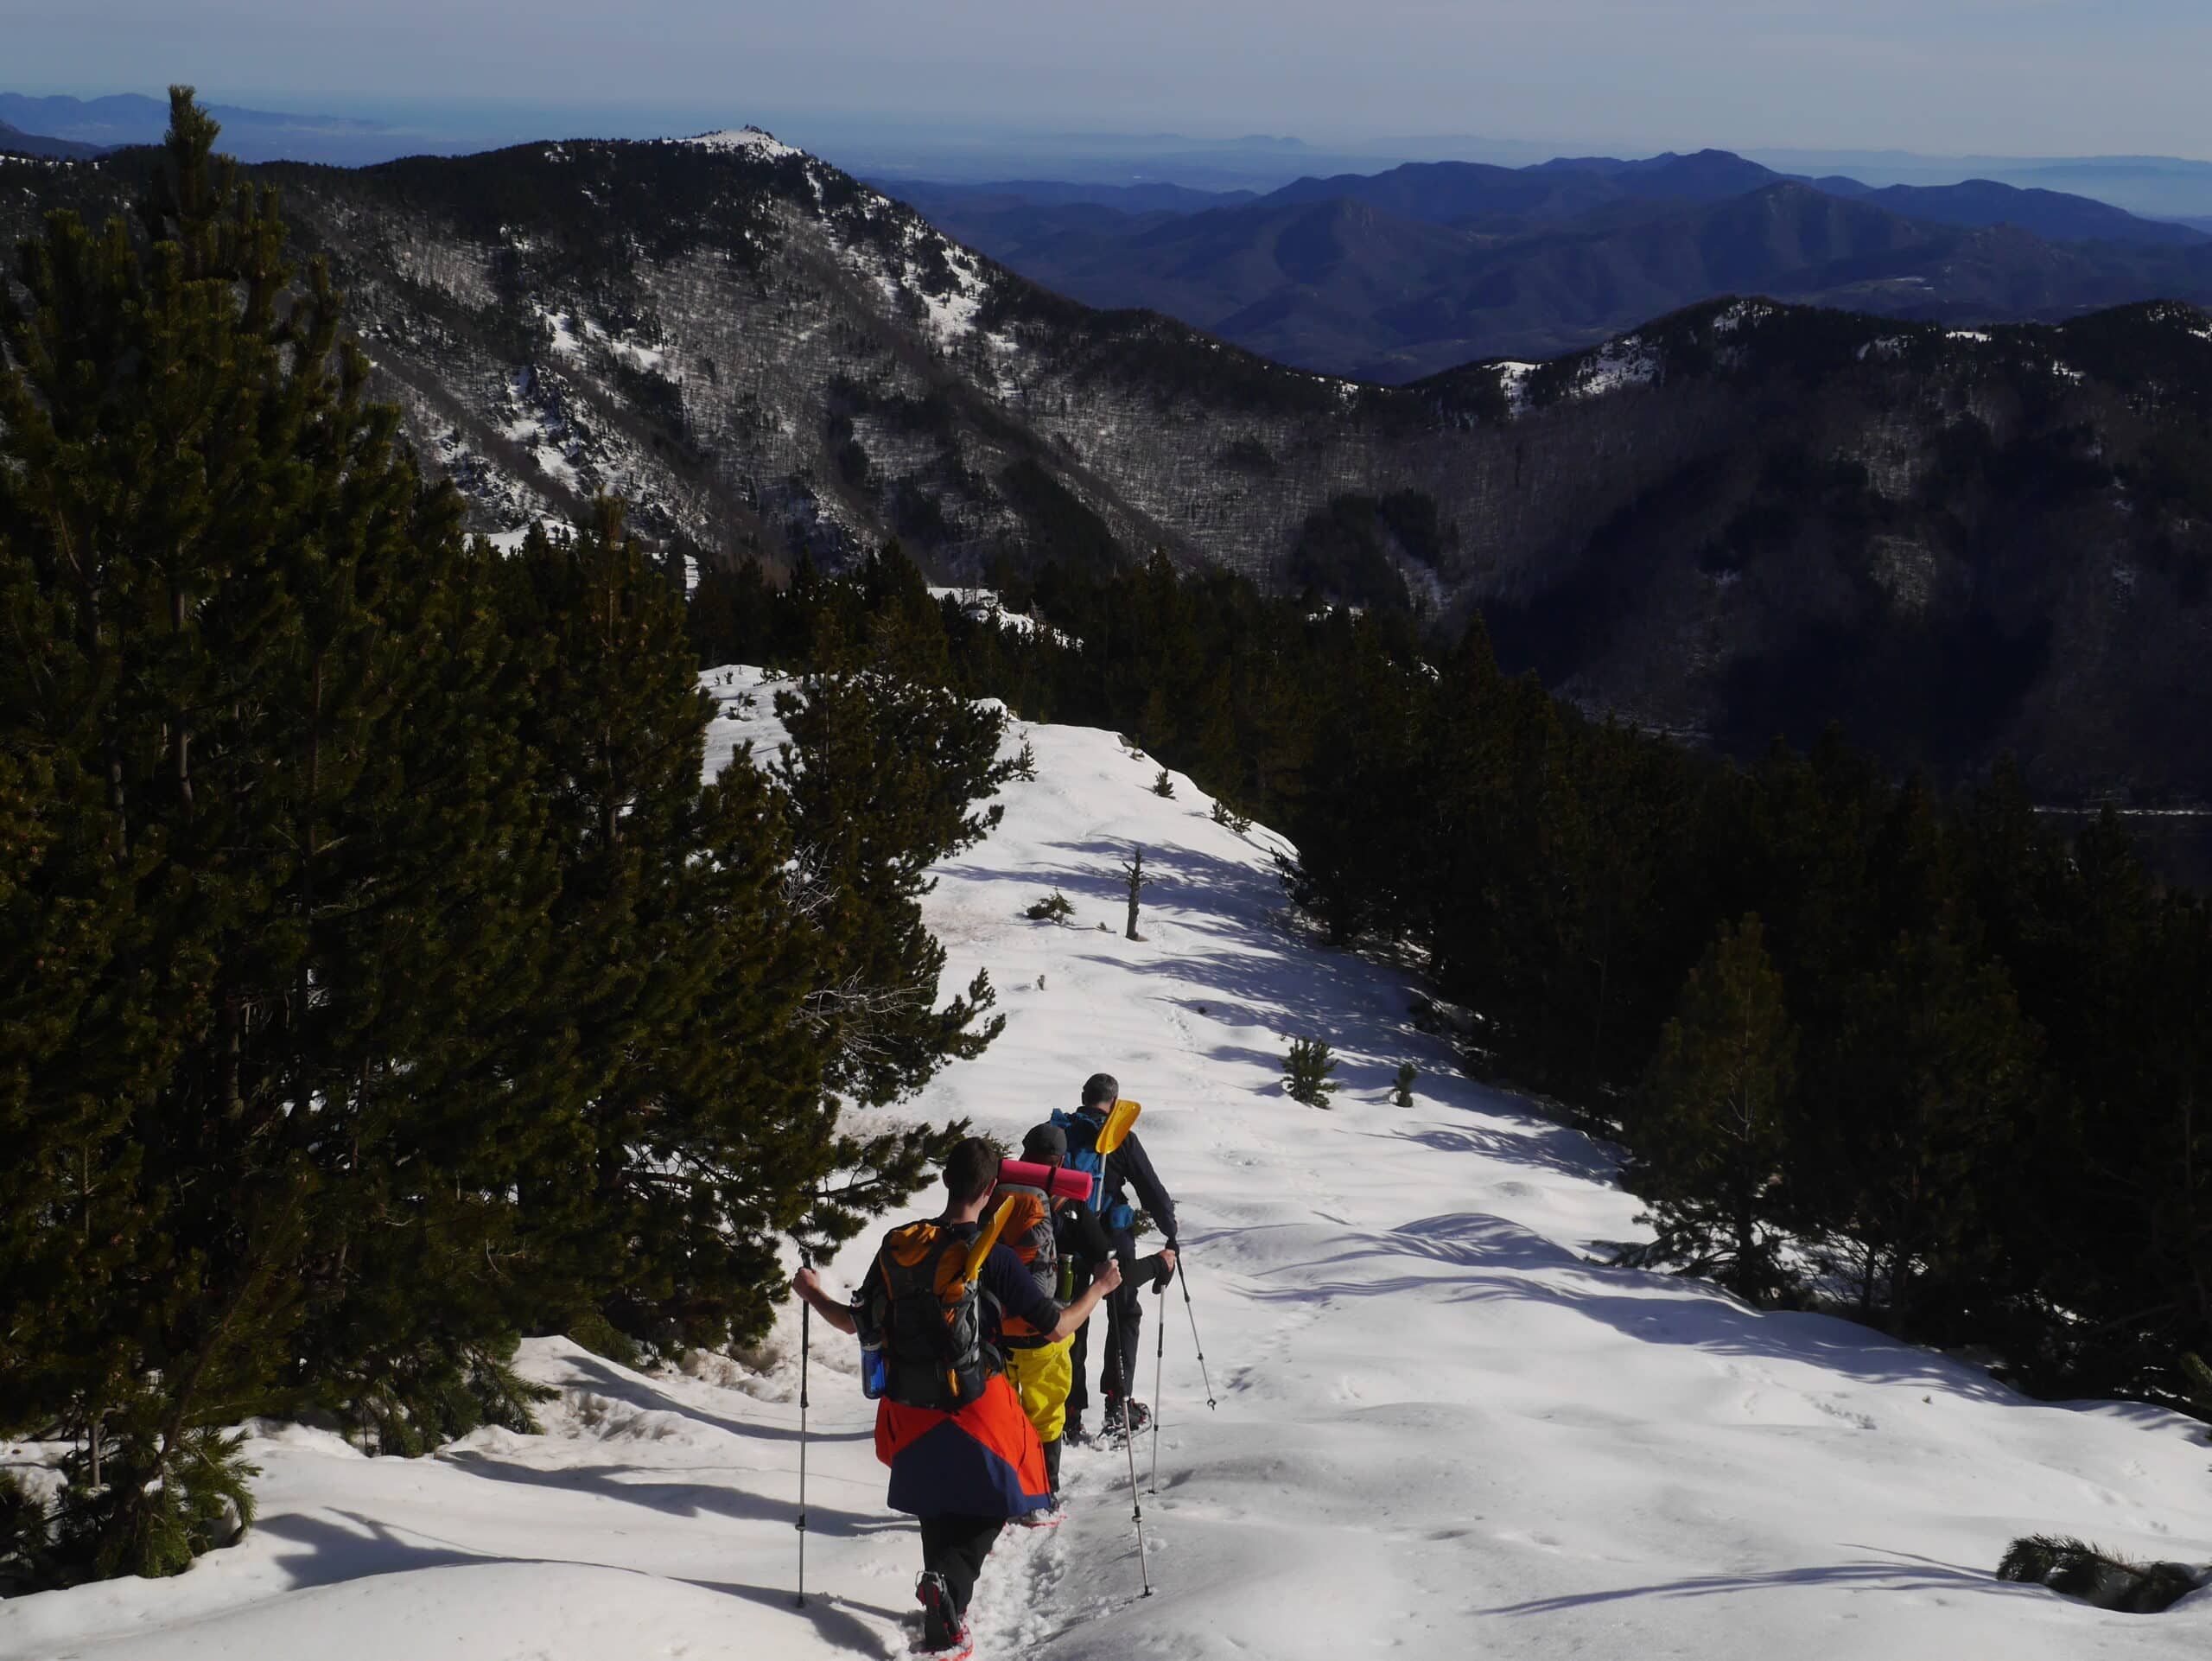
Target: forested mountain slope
{"points": [[1742, 518]]}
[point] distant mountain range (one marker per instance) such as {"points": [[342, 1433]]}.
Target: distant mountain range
{"points": [[1742, 518], [91, 125], [1394, 276], [14, 140]]}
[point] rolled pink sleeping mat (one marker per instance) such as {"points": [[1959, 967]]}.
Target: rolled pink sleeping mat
{"points": [[1066, 1184]]}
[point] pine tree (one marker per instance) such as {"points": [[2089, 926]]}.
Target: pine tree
{"points": [[1402, 1091], [884, 778], [1713, 1138], [1305, 1072], [264, 659], [675, 1121], [1945, 1073]]}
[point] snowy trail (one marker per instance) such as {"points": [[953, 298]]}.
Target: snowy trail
{"points": [[1444, 1427]]}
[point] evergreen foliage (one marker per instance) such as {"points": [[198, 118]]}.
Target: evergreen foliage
{"points": [[1711, 1143], [1054, 908], [1163, 786], [26, 1532], [2075, 1569], [378, 981], [2196, 1381], [1401, 1085], [1305, 1071]]}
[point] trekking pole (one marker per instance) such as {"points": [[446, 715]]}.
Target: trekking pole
{"points": [[1183, 1274], [805, 1343], [1159, 1360], [1136, 1507]]}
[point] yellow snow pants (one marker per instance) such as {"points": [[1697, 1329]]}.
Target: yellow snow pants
{"points": [[1042, 1377]]}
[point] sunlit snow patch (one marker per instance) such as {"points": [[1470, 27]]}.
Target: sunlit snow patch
{"points": [[748, 140], [1513, 381]]}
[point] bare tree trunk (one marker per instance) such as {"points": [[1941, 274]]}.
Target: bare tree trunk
{"points": [[183, 729], [1133, 871]]}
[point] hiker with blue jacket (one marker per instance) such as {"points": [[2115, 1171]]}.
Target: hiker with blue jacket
{"points": [[1127, 1169], [963, 1456], [1063, 1232]]}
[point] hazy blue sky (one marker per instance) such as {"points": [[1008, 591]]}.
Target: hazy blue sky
{"points": [[1992, 76]]}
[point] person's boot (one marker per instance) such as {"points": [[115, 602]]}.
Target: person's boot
{"points": [[944, 1634], [1074, 1435], [1139, 1416]]}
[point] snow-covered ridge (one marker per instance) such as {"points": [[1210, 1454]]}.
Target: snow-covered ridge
{"points": [[751, 141], [1446, 1428], [1630, 360]]}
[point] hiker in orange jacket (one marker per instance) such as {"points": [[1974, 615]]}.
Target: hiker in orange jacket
{"points": [[963, 1470]]}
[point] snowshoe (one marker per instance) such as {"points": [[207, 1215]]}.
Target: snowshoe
{"points": [[1139, 1416], [1044, 1519], [944, 1636]]}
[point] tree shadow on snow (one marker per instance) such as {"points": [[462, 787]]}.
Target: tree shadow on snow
{"points": [[336, 1553], [1554, 1147], [589, 1372], [613, 1481], [1181, 875], [1898, 1572], [1502, 1260]]}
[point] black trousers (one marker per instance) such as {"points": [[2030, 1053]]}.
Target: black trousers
{"points": [[1124, 1320], [956, 1547]]}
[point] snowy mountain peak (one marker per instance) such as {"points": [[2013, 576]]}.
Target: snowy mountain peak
{"points": [[748, 140]]}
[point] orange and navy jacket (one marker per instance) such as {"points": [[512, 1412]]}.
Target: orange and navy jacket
{"points": [[985, 1460]]}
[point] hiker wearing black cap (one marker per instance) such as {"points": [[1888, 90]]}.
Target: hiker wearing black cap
{"points": [[1128, 1169], [1065, 1233]]}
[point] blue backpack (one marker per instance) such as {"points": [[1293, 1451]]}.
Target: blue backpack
{"points": [[1083, 1156]]}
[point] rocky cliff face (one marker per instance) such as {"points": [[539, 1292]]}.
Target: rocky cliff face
{"points": [[1741, 519]]}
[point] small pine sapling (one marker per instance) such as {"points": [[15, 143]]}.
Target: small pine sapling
{"points": [[2075, 1569], [1305, 1072], [1163, 786], [1224, 814], [1054, 908], [1024, 765], [1402, 1094]]}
